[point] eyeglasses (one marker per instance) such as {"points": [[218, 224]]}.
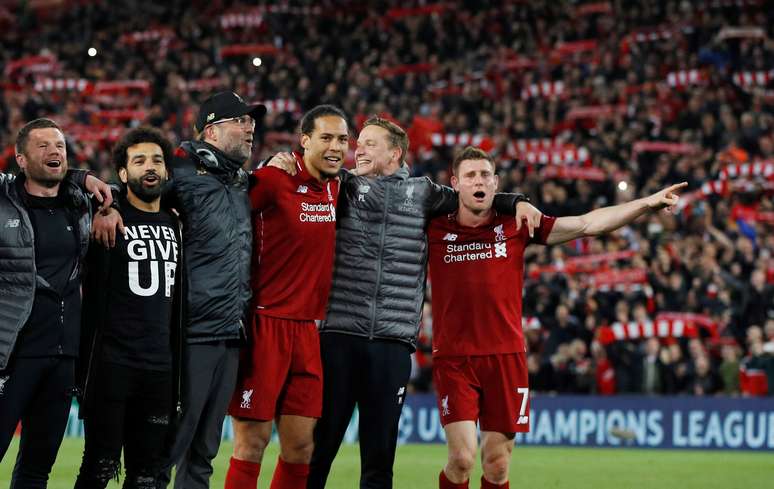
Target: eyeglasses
{"points": [[243, 121]]}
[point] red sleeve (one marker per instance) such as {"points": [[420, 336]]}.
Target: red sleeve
{"points": [[542, 232], [262, 194]]}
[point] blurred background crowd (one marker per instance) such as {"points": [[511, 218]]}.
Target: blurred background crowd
{"points": [[583, 104]]}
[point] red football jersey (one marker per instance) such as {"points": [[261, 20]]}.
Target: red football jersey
{"points": [[294, 221], [476, 277]]}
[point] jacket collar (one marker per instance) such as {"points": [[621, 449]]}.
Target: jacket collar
{"points": [[401, 174], [210, 156]]}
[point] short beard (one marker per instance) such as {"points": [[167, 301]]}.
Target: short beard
{"points": [[45, 180], [236, 153], [147, 195]]}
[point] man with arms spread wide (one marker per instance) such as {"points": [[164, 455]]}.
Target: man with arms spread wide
{"points": [[476, 271]]}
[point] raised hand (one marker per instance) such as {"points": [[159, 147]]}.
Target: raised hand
{"points": [[666, 198], [285, 162]]}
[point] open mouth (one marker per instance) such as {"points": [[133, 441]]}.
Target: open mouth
{"points": [[479, 194], [249, 141], [53, 163], [150, 180], [333, 160]]}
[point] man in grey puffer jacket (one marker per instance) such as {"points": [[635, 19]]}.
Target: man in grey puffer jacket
{"points": [[376, 298]]}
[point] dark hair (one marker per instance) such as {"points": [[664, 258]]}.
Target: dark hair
{"points": [[140, 135], [24, 133], [397, 136], [307, 121], [471, 153]]}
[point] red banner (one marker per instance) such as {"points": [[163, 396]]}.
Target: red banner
{"points": [[404, 69], [122, 87], [686, 78], [575, 173], [594, 111], [148, 35], [248, 50], [664, 147]]}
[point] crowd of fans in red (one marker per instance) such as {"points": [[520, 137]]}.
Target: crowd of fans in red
{"points": [[584, 104]]}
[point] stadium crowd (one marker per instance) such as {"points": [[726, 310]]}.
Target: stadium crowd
{"points": [[584, 104]]}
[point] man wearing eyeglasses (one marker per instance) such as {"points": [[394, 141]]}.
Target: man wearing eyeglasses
{"points": [[209, 190], [210, 187]]}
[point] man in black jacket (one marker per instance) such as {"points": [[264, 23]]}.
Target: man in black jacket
{"points": [[131, 342], [45, 219], [209, 190]]}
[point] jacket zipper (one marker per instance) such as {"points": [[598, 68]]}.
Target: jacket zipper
{"points": [[379, 261], [28, 225]]}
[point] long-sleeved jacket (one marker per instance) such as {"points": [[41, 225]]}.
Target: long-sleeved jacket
{"points": [[381, 253], [18, 273], [211, 195]]}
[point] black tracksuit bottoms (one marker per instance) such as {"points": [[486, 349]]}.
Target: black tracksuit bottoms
{"points": [[38, 391], [131, 410], [371, 374]]}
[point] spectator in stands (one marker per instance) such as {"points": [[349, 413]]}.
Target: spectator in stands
{"points": [[729, 369]]}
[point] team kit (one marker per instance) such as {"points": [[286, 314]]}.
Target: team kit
{"points": [[284, 297]]}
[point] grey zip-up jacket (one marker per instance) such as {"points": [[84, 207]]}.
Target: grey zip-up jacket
{"points": [[18, 272], [381, 253]]}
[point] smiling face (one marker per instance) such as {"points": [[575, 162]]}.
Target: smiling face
{"points": [[44, 158], [325, 146], [145, 172], [476, 183], [374, 152]]}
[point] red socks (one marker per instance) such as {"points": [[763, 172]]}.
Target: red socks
{"points": [[485, 484], [444, 483], [242, 474], [289, 476]]}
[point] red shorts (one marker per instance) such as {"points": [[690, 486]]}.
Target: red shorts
{"points": [[490, 389], [280, 371]]}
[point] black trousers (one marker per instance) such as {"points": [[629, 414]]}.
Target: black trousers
{"points": [[37, 391], [130, 410], [373, 375], [209, 378]]}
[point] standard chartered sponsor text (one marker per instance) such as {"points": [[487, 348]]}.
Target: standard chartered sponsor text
{"points": [[322, 213], [468, 252]]}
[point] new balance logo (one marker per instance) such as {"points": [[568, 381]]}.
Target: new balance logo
{"points": [[450, 237], [501, 251], [401, 395], [12, 223], [302, 189], [246, 395], [523, 420]]}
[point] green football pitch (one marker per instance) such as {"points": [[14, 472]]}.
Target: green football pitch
{"points": [[417, 466]]}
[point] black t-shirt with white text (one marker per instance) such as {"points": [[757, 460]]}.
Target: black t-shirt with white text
{"points": [[142, 279]]}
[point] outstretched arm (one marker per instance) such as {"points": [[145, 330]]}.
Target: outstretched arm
{"points": [[607, 219]]}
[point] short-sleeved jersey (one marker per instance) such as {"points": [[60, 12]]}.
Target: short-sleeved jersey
{"points": [[476, 278], [294, 219]]}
